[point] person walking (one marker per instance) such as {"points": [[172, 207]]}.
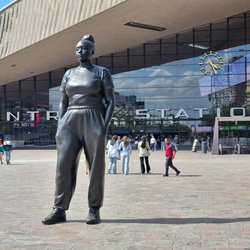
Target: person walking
{"points": [[85, 110], [143, 151], [1, 151], [7, 147], [170, 155], [113, 153], [126, 150]]}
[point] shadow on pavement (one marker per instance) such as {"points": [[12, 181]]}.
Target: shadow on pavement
{"points": [[170, 221], [179, 220], [181, 175]]}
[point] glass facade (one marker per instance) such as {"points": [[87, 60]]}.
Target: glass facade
{"points": [[174, 85]]}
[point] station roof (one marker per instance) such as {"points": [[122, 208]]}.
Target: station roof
{"points": [[49, 43]]}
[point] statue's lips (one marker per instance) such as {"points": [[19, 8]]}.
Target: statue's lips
{"points": [[81, 57]]}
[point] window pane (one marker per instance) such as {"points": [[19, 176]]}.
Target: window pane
{"points": [[56, 77], [105, 61], [28, 94], [2, 104], [137, 51], [42, 92], [186, 37], [12, 97]]}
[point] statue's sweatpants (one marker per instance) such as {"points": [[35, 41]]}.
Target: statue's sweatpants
{"points": [[80, 128]]}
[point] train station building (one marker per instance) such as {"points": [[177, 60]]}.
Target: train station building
{"points": [[176, 65]]}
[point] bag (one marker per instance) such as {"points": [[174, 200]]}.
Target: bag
{"points": [[148, 153], [7, 147]]}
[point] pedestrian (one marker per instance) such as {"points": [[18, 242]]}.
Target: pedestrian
{"points": [[153, 143], [176, 142], [162, 142], [85, 111], [7, 147], [170, 155], [119, 139], [208, 143], [1, 151], [86, 166], [136, 143], [143, 151], [194, 146], [113, 153], [126, 150]]}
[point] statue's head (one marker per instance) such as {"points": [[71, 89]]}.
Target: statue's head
{"points": [[85, 48], [89, 39]]}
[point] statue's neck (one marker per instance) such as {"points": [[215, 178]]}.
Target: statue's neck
{"points": [[86, 64]]}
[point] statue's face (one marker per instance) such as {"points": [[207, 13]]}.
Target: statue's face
{"points": [[84, 50]]}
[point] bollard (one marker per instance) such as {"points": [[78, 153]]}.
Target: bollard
{"points": [[204, 147]]}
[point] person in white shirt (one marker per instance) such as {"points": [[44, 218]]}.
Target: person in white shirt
{"points": [[113, 153], [153, 143], [7, 147], [143, 150]]}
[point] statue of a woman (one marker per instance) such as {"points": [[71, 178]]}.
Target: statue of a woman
{"points": [[85, 110]]}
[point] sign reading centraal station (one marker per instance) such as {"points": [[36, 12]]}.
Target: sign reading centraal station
{"points": [[139, 114]]}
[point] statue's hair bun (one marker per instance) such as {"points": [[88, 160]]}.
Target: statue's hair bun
{"points": [[89, 38]]}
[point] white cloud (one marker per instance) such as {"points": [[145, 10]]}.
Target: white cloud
{"points": [[160, 73]]}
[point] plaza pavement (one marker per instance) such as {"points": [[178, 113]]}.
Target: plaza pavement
{"points": [[206, 207]]}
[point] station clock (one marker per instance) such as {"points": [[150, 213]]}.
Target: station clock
{"points": [[210, 63]]}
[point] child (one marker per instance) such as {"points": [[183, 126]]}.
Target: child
{"points": [[113, 153], [170, 154]]}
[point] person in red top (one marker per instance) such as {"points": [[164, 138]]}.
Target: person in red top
{"points": [[170, 154]]}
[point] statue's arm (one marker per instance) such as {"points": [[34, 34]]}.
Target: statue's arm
{"points": [[109, 96], [63, 105]]}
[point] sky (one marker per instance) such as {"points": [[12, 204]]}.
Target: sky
{"points": [[3, 3]]}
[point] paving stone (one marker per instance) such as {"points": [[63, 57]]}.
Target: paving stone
{"points": [[206, 207]]}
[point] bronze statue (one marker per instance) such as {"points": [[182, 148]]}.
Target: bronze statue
{"points": [[85, 110]]}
